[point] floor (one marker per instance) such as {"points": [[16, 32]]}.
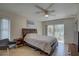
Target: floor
{"points": [[61, 50]]}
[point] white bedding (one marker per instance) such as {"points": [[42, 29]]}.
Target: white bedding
{"points": [[39, 41]]}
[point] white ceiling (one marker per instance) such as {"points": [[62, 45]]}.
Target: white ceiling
{"points": [[28, 10]]}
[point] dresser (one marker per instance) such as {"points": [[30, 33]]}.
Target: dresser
{"points": [[73, 49]]}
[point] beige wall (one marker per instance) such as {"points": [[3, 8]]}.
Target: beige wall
{"points": [[78, 21], [17, 23], [78, 15]]}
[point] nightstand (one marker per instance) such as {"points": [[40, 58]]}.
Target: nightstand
{"points": [[19, 42]]}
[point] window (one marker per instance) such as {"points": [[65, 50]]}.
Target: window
{"points": [[4, 28]]}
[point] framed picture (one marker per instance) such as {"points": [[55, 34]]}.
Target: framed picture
{"points": [[31, 24]]}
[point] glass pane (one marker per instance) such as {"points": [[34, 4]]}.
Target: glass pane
{"points": [[5, 24], [59, 32], [50, 30], [4, 34]]}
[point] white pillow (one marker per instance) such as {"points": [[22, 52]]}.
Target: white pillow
{"points": [[31, 36]]}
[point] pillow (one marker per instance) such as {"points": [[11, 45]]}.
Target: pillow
{"points": [[31, 36]]}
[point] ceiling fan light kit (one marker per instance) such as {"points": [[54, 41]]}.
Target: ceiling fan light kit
{"points": [[46, 16]]}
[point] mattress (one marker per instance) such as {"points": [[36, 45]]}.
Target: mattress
{"points": [[42, 42]]}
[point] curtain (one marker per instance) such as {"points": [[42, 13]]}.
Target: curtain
{"points": [[4, 28]]}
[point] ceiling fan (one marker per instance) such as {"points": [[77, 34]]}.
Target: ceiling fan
{"points": [[45, 11]]}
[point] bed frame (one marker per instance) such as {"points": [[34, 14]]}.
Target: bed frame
{"points": [[26, 31]]}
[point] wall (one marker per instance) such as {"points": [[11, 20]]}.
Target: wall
{"points": [[78, 15], [39, 27], [17, 23], [69, 26]]}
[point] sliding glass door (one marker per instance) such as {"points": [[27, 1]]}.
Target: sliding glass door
{"points": [[56, 30]]}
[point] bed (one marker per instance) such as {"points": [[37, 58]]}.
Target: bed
{"points": [[43, 43]]}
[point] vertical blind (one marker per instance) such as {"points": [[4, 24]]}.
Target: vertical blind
{"points": [[4, 28]]}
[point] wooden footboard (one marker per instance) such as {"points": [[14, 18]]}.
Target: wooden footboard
{"points": [[52, 49], [38, 49]]}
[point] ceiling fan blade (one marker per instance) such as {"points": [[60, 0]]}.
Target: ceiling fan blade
{"points": [[50, 6], [39, 7]]}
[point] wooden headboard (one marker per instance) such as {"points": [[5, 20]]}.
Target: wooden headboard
{"points": [[25, 31]]}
